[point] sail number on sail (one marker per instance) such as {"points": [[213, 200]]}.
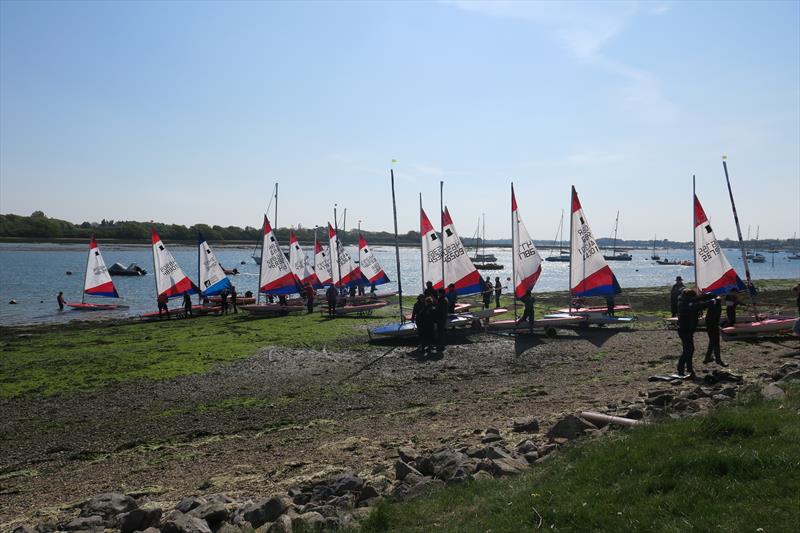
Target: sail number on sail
{"points": [[708, 251], [526, 250], [589, 247]]}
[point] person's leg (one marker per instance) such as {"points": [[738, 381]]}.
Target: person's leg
{"points": [[684, 351]]}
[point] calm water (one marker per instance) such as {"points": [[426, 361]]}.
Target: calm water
{"points": [[32, 274]]}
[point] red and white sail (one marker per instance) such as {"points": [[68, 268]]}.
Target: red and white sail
{"points": [[322, 264], [276, 277], [371, 270], [714, 273], [528, 262], [458, 269], [431, 252], [590, 275], [343, 272], [170, 279], [302, 270], [98, 281]]}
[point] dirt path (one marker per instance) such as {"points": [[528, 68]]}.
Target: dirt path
{"points": [[282, 416]]}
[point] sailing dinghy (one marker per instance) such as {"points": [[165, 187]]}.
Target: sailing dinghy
{"points": [[589, 274], [275, 277], [431, 252], [322, 264], [302, 270], [526, 266], [96, 282], [371, 270], [211, 274]]}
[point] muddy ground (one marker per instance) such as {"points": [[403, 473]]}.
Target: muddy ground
{"points": [[283, 416]]}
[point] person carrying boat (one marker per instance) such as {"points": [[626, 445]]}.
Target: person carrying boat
{"points": [[330, 296], [187, 305], [60, 300], [713, 315], [162, 305], [452, 298], [527, 315], [417, 317], [675, 294], [731, 302], [487, 292], [498, 290], [309, 294], [441, 320], [689, 307]]}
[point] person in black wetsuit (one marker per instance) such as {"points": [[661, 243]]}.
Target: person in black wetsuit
{"points": [[418, 318], [674, 294], [452, 298], [527, 315], [498, 291], [441, 320], [428, 323], [713, 315], [731, 302], [487, 292], [689, 307], [187, 305], [429, 290], [331, 295]]}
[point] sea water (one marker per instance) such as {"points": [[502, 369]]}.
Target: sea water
{"points": [[33, 274]]}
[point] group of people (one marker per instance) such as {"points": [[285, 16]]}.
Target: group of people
{"points": [[430, 314], [228, 299], [336, 297], [489, 289]]}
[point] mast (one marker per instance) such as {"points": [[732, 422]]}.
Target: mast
{"points": [[338, 263], [616, 225], [694, 233], [739, 234], [483, 239], [421, 257], [561, 230], [275, 221], [199, 281], [514, 231], [261, 263], [397, 248], [441, 230], [155, 272], [86, 271], [571, 216]]}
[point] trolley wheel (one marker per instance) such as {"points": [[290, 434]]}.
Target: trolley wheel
{"points": [[550, 332]]}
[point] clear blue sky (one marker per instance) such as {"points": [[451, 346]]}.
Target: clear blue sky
{"points": [[188, 112]]}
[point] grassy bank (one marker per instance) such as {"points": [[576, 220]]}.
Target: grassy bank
{"points": [[56, 359], [735, 469]]}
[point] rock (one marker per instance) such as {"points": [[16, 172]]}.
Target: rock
{"points": [[24, 529], [229, 528], [213, 512], [477, 452], [772, 392], [85, 522], [446, 461], [507, 467], [658, 392], [407, 454], [491, 437], [531, 457], [791, 376], [569, 427], [721, 376], [189, 503], [156, 530], [259, 513], [345, 483], [679, 404], [345, 501], [283, 524], [662, 400], [311, 521], [138, 519], [635, 414], [423, 487], [368, 492], [546, 448], [178, 522], [108, 505], [526, 446], [332, 523], [492, 431], [401, 470], [526, 425], [720, 398], [425, 466], [481, 474]]}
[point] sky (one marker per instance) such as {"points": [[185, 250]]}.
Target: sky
{"points": [[189, 112]]}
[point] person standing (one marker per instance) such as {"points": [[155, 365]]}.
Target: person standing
{"points": [[731, 302], [498, 291], [675, 294], [60, 300], [234, 296], [429, 290], [428, 323], [223, 301], [527, 315], [441, 320], [162, 305], [452, 298], [713, 315], [610, 305], [487, 292], [309, 290], [331, 295], [187, 305], [689, 307], [418, 318]]}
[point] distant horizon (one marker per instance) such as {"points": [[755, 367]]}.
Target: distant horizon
{"points": [[180, 111]]}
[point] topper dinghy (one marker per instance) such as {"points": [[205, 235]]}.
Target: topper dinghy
{"points": [[96, 282]]}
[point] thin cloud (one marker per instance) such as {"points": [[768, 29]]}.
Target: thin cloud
{"points": [[583, 29]]}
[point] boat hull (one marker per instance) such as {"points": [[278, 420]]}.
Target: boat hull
{"points": [[761, 327], [552, 322], [77, 306], [594, 310]]}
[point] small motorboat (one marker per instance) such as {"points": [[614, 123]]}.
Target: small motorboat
{"points": [[118, 269]]}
